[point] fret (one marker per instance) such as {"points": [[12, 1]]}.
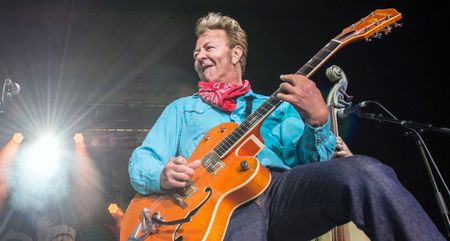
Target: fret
{"points": [[319, 58], [311, 65], [303, 70], [316, 58]]}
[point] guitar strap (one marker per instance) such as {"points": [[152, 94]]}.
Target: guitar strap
{"points": [[248, 105]]}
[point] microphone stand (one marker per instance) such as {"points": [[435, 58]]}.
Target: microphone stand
{"points": [[413, 130], [2, 100], [6, 92], [2, 104], [2, 108]]}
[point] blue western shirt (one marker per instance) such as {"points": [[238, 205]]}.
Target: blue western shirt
{"points": [[288, 140]]}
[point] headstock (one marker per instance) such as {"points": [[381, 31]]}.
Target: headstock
{"points": [[373, 26]]}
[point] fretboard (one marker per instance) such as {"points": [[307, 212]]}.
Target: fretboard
{"points": [[272, 102]]}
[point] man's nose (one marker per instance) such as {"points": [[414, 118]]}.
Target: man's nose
{"points": [[200, 55]]}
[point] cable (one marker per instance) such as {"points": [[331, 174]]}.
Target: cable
{"points": [[420, 139], [382, 107]]}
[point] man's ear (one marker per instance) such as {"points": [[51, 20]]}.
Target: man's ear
{"points": [[236, 54]]}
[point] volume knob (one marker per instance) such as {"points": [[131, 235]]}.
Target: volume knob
{"points": [[244, 165]]}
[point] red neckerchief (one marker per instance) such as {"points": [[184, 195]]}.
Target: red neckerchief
{"points": [[222, 95]]}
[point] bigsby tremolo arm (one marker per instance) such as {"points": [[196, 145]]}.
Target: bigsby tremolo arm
{"points": [[146, 226]]}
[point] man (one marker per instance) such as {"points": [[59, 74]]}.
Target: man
{"points": [[306, 196]]}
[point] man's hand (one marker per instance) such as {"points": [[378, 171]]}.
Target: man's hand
{"points": [[177, 172], [341, 149], [304, 95]]}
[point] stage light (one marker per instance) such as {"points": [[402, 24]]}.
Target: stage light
{"points": [[114, 209], [11, 147], [7, 154], [40, 177], [87, 188], [43, 157], [18, 138], [117, 214], [78, 137]]}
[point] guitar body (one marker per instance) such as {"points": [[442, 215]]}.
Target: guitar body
{"points": [[230, 187]]}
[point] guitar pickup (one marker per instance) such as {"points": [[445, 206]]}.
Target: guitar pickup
{"points": [[212, 163]]}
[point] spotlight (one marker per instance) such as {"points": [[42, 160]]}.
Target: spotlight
{"points": [[18, 138], [114, 209], [40, 177], [43, 157], [117, 214], [78, 137]]}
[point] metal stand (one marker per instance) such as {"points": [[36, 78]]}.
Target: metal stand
{"points": [[2, 108], [413, 130], [9, 89]]}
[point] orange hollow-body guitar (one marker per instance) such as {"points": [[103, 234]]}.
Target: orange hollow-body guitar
{"points": [[230, 174], [244, 179]]}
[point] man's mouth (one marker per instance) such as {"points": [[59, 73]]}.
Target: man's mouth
{"points": [[206, 67]]}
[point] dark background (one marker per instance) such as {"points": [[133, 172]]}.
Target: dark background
{"points": [[107, 68]]}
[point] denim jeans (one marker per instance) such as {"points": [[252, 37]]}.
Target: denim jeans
{"points": [[308, 200]]}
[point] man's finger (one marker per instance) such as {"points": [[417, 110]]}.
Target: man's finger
{"points": [[179, 160], [180, 177], [194, 164], [287, 78]]}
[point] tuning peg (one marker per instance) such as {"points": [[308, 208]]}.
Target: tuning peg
{"points": [[378, 35], [347, 97], [343, 104], [398, 25], [369, 39], [387, 30]]}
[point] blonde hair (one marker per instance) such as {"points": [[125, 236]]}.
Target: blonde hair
{"points": [[236, 35]]}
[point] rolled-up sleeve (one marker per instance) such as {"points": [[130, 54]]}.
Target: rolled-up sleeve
{"points": [[296, 142], [316, 143]]}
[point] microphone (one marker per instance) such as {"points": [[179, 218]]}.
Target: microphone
{"points": [[342, 113], [13, 87]]}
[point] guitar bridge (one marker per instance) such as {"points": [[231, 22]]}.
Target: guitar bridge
{"points": [[179, 200], [181, 194], [189, 189]]}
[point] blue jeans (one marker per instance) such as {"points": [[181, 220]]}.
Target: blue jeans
{"points": [[308, 200]]}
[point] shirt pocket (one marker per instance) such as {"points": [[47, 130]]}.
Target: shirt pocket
{"points": [[197, 121], [203, 118], [198, 113]]}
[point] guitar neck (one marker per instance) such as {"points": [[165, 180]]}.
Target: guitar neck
{"points": [[379, 21], [260, 114], [317, 60]]}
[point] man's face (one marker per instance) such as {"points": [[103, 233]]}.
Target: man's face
{"points": [[213, 57]]}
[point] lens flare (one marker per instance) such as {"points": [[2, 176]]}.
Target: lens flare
{"points": [[43, 157]]}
